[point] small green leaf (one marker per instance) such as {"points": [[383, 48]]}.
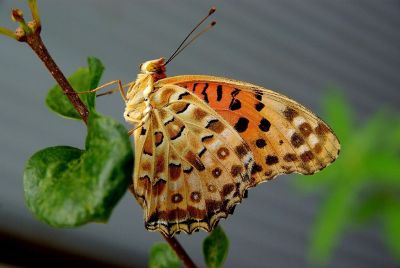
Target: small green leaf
{"points": [[215, 248], [83, 79], [67, 187], [96, 69], [162, 256]]}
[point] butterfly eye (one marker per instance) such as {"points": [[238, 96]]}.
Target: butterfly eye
{"points": [[140, 66]]}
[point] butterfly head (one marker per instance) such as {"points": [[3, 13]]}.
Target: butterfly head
{"points": [[156, 68]]}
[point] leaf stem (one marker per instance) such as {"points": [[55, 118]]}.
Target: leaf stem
{"points": [[7, 32], [180, 251], [34, 11]]}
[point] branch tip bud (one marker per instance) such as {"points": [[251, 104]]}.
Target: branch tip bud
{"points": [[17, 15]]}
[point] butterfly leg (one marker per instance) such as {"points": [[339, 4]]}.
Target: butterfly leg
{"points": [[130, 132], [120, 88]]}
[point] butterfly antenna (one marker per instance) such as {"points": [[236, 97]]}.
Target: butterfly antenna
{"points": [[191, 40], [212, 10]]}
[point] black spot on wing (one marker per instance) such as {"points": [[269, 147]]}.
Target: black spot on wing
{"points": [[261, 143], [235, 104], [212, 121], [259, 106], [271, 160], [169, 121], [147, 152], [256, 168], [194, 87], [205, 138], [235, 92], [143, 131], [178, 134], [264, 125], [219, 92], [242, 124], [187, 171], [183, 95], [202, 151], [204, 93], [258, 95]]}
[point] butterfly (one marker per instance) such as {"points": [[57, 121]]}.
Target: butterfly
{"points": [[202, 141]]}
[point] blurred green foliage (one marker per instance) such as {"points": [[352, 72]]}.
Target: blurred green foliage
{"points": [[363, 185]]}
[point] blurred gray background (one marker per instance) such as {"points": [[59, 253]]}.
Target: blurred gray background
{"points": [[296, 47]]}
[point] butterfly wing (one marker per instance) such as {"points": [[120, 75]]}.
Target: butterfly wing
{"points": [[192, 167], [283, 135]]}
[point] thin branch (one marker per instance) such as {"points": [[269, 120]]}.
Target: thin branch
{"points": [[37, 45], [30, 34], [180, 251]]}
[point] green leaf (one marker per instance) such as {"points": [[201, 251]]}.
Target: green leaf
{"points": [[83, 79], [66, 186], [392, 228], [215, 248], [96, 69], [162, 256]]}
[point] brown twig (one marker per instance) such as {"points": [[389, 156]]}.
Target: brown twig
{"points": [[180, 251], [30, 34], [36, 43]]}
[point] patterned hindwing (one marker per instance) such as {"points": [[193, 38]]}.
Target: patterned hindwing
{"points": [[191, 167], [283, 135]]}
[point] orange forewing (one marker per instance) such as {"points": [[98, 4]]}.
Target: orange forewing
{"points": [[283, 135]]}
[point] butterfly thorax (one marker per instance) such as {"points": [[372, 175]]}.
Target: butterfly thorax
{"points": [[138, 106]]}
